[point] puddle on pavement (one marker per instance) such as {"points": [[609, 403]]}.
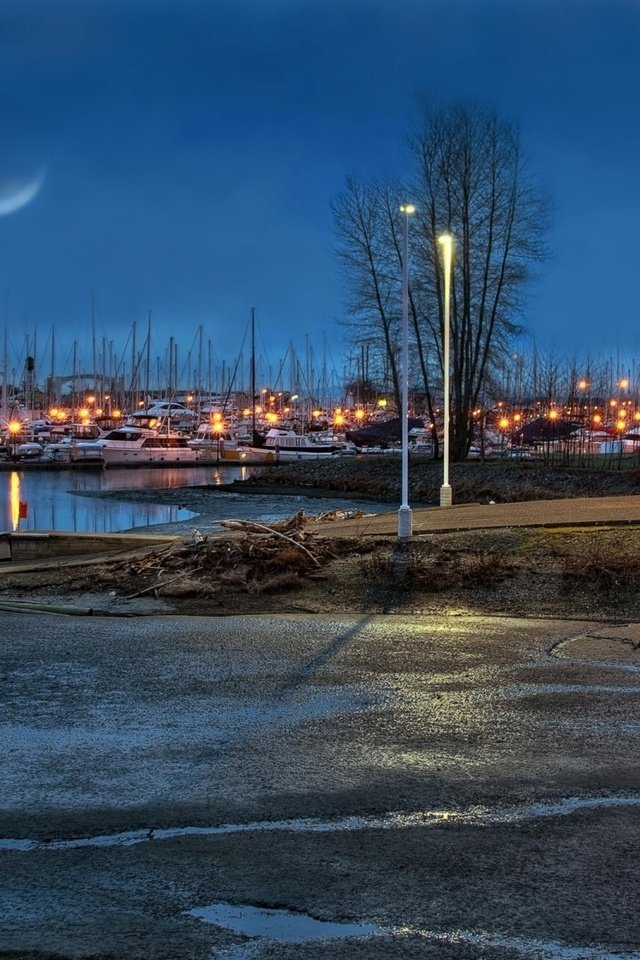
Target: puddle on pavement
{"points": [[472, 816], [280, 925], [286, 927]]}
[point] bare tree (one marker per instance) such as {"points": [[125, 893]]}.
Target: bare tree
{"points": [[366, 252], [473, 183], [471, 180]]}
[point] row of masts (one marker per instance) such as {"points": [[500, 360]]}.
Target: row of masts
{"points": [[133, 374]]}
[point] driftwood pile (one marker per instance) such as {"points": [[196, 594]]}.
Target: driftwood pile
{"points": [[256, 557]]}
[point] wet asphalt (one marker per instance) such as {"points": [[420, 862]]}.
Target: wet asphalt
{"points": [[467, 787]]}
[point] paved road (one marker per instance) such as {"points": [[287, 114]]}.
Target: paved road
{"points": [[454, 787], [580, 511]]}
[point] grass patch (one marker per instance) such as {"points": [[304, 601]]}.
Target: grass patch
{"points": [[430, 568], [602, 565]]}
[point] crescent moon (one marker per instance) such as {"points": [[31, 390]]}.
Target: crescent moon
{"points": [[17, 193]]}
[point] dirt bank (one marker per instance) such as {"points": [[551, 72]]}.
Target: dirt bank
{"points": [[378, 478], [582, 572]]}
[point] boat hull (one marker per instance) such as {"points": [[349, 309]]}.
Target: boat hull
{"points": [[124, 457]]}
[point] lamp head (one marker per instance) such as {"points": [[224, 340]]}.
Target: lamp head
{"points": [[445, 239], [407, 208]]}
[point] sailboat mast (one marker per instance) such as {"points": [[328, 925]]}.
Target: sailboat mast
{"points": [[253, 372], [93, 345], [170, 368], [133, 402], [5, 372], [148, 360], [52, 396], [199, 384], [74, 379]]}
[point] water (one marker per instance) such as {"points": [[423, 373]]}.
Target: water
{"points": [[280, 925], [51, 504], [57, 500]]}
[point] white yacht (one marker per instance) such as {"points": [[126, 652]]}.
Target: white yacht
{"points": [[132, 445], [284, 446]]}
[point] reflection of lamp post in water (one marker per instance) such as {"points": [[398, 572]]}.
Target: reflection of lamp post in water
{"points": [[14, 494]]}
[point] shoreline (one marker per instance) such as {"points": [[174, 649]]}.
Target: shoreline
{"points": [[281, 490]]}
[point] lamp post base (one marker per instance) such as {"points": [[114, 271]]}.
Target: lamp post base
{"points": [[405, 523], [446, 495]]}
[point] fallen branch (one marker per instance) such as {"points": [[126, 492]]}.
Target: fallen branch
{"points": [[158, 586], [252, 526]]}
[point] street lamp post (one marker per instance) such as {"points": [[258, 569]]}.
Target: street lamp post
{"points": [[405, 520], [446, 241]]}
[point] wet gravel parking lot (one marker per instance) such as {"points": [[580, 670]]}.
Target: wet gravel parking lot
{"points": [[301, 787]]}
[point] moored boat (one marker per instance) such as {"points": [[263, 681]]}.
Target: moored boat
{"points": [[71, 450], [131, 445], [284, 446]]}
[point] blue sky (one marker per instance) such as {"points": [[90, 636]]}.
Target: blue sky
{"points": [[192, 149]]}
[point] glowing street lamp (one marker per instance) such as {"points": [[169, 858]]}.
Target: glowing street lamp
{"points": [[405, 522], [14, 429], [446, 242]]}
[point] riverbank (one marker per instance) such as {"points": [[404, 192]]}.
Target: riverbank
{"points": [[379, 478], [567, 569]]}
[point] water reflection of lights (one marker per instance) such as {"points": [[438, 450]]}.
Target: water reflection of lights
{"points": [[14, 499]]}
